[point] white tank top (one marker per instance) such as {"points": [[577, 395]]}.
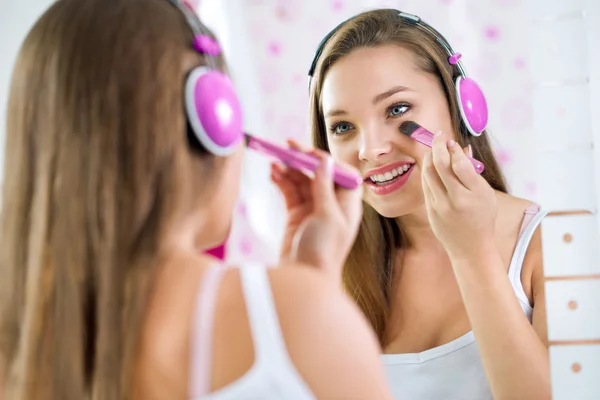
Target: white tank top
{"points": [[454, 371], [273, 375]]}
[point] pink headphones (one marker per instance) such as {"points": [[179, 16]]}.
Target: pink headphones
{"points": [[212, 106], [471, 101]]}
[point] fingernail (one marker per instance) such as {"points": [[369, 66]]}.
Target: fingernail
{"points": [[438, 133], [470, 151], [451, 143]]}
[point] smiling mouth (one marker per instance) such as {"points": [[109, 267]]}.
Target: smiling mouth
{"points": [[390, 176]]}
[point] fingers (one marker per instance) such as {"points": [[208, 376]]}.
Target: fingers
{"points": [[427, 194], [323, 187], [462, 167], [326, 195], [442, 162], [293, 185], [431, 178]]}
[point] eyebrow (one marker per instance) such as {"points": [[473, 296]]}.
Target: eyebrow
{"points": [[380, 97], [389, 93]]}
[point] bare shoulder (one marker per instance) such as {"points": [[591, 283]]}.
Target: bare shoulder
{"points": [[329, 340], [161, 367], [511, 211]]}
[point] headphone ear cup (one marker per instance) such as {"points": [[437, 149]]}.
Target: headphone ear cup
{"points": [[213, 110], [472, 104]]}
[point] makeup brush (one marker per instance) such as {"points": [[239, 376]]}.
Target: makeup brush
{"points": [[301, 161], [423, 136]]}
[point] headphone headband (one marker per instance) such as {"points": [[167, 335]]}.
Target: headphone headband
{"points": [[453, 57], [471, 101], [213, 110]]}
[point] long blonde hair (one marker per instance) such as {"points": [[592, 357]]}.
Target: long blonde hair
{"points": [[368, 271], [98, 164]]}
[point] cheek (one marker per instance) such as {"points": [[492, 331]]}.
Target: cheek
{"points": [[419, 154]]}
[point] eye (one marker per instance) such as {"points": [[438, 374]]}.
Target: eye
{"points": [[399, 109], [340, 128]]}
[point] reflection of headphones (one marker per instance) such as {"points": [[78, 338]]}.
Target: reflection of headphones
{"points": [[471, 101], [212, 107]]}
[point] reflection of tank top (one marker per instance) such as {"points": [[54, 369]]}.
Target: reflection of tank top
{"points": [[273, 375], [454, 370]]}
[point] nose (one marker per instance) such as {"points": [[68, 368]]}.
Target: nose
{"points": [[374, 145]]}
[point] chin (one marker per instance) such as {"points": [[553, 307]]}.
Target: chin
{"points": [[395, 208]]}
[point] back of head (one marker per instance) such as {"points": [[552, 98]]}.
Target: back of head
{"points": [[99, 164], [378, 236]]}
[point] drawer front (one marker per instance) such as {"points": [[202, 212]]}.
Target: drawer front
{"points": [[573, 309], [575, 372], [571, 245]]}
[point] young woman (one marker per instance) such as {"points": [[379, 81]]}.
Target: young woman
{"points": [[109, 202], [447, 266]]}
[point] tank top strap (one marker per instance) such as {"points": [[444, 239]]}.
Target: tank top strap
{"points": [[269, 345], [532, 219]]}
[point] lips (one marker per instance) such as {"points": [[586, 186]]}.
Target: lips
{"points": [[390, 175], [389, 178]]}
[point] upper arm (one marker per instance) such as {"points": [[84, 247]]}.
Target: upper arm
{"points": [[534, 262], [328, 338], [534, 258]]}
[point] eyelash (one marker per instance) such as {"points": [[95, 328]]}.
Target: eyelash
{"points": [[333, 128]]}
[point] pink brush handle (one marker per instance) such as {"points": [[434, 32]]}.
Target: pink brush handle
{"points": [[425, 137], [302, 161]]}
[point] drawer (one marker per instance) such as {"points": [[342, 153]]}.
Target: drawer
{"points": [[561, 116], [571, 245], [575, 372], [573, 309], [566, 179], [559, 51]]}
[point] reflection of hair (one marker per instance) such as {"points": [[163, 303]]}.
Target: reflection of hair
{"points": [[99, 166], [367, 274]]}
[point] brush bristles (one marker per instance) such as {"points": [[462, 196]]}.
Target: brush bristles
{"points": [[247, 138], [409, 127]]}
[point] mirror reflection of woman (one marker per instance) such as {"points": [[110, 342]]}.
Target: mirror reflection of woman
{"points": [[447, 266]]}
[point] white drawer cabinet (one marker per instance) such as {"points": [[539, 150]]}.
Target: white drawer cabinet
{"points": [[573, 310], [571, 245], [575, 372]]}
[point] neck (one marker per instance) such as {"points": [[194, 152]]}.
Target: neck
{"points": [[190, 235], [418, 233]]}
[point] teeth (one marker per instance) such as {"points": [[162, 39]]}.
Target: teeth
{"points": [[388, 176]]}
